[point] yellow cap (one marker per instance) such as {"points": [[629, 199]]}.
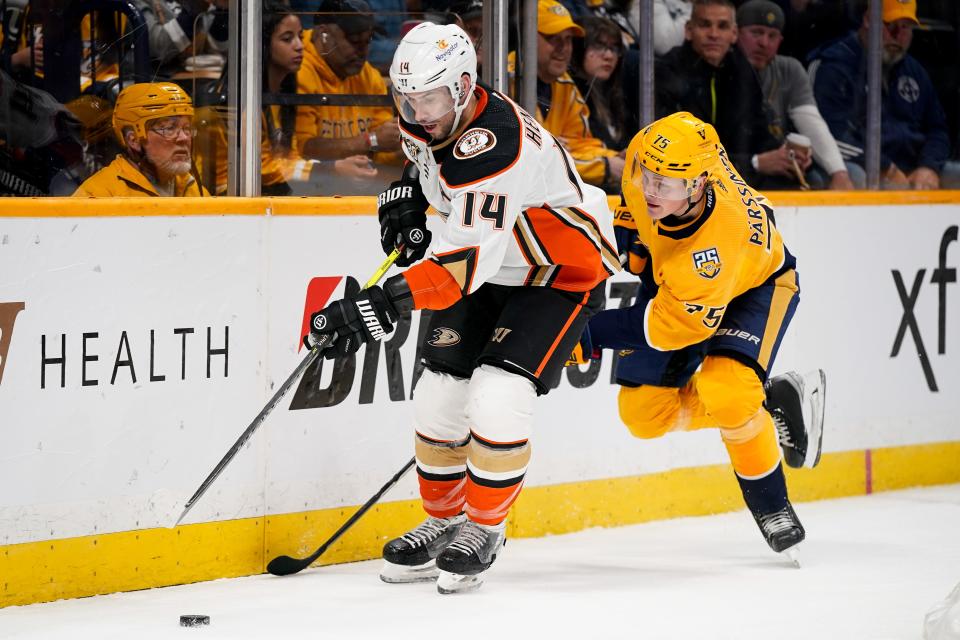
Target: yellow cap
{"points": [[894, 10], [553, 17]]}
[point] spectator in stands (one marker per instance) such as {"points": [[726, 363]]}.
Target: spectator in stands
{"points": [[172, 25], [560, 107], [21, 50], [283, 170], [470, 13], [669, 22], [280, 158], [154, 123], [711, 79], [598, 71], [335, 62], [915, 143], [617, 11], [790, 102]]}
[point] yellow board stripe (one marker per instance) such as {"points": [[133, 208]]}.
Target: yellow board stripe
{"points": [[367, 205], [90, 565]]}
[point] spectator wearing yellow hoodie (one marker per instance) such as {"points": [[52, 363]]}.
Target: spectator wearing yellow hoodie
{"points": [[335, 62]]}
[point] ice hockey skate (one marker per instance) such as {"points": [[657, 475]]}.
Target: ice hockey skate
{"points": [[413, 556], [463, 563], [796, 404], [782, 531]]}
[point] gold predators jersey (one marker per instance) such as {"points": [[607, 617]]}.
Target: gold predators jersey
{"points": [[700, 266]]}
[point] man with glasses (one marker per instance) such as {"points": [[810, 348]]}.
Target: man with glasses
{"points": [[154, 123], [915, 143], [335, 62], [560, 106]]}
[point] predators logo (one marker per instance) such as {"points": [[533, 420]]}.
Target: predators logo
{"points": [[442, 44], [707, 263]]}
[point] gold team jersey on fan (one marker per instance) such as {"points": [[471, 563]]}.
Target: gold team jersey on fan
{"points": [[316, 76], [700, 266]]}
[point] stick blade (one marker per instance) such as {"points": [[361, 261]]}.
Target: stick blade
{"points": [[285, 566]]}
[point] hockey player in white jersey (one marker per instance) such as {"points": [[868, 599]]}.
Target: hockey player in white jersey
{"points": [[512, 278]]}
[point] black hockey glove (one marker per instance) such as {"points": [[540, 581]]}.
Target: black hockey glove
{"points": [[402, 210], [342, 326]]}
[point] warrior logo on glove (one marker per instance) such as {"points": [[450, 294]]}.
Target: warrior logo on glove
{"points": [[319, 321], [369, 316]]}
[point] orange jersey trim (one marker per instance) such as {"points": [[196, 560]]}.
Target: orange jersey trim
{"points": [[432, 286]]}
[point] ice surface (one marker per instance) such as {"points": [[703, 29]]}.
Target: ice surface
{"points": [[872, 567]]}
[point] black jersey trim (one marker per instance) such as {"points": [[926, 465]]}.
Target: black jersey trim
{"points": [[494, 484], [500, 446], [608, 254], [683, 232], [441, 477], [500, 117], [572, 175]]}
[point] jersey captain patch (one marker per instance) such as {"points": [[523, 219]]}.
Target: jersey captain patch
{"points": [[707, 263], [474, 142]]}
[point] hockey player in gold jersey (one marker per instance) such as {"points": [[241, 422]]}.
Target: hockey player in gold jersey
{"points": [[718, 289]]}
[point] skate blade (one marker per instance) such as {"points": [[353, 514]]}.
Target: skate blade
{"points": [[818, 401], [401, 574], [793, 555], [455, 583]]}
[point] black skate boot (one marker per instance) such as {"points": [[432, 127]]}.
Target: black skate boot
{"points": [[782, 531], [796, 404], [473, 551], [412, 557]]}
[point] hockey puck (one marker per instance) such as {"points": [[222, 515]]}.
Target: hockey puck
{"points": [[194, 621]]}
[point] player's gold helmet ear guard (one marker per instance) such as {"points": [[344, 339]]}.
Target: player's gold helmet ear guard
{"points": [[145, 101], [679, 146]]}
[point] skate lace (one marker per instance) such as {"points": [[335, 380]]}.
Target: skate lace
{"points": [[428, 531], [776, 522], [470, 539], [783, 431]]}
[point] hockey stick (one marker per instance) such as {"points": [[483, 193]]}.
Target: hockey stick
{"points": [[285, 565], [310, 358]]}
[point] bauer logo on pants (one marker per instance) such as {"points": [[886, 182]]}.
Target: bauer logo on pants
{"points": [[8, 317]]}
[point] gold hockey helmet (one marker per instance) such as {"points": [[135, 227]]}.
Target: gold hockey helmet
{"points": [[95, 116], [673, 157], [142, 102]]}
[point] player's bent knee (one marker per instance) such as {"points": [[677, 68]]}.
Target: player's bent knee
{"points": [[499, 405], [730, 391], [648, 411], [438, 407]]}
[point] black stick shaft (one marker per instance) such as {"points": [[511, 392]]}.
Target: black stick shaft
{"points": [[270, 406], [282, 391], [285, 565]]}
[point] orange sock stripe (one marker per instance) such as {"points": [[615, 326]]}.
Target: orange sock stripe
{"points": [[442, 498], [489, 505]]}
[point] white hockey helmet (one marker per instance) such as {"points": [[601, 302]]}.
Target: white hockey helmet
{"points": [[433, 57]]}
